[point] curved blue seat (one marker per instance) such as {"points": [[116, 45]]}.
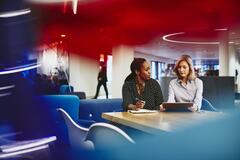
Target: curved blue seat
{"points": [[50, 122], [206, 105], [65, 89]]}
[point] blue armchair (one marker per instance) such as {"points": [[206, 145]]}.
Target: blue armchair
{"points": [[65, 89], [50, 122], [53, 123]]}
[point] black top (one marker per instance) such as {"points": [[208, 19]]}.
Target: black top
{"points": [[152, 94], [102, 76]]}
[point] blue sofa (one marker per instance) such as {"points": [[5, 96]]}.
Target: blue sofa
{"points": [[92, 109], [83, 111]]}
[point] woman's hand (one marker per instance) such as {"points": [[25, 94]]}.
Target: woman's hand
{"points": [[194, 108], [162, 109], [140, 104]]}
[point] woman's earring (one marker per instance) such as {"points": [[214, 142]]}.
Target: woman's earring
{"points": [[136, 72]]}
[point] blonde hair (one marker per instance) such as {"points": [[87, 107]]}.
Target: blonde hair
{"points": [[188, 59]]}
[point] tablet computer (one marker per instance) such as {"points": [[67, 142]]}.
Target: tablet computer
{"points": [[177, 106]]}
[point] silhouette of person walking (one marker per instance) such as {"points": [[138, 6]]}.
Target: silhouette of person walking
{"points": [[102, 80]]}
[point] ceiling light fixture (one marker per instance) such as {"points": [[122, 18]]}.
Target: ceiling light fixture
{"points": [[14, 13], [74, 3], [166, 38], [74, 6], [47, 1]]}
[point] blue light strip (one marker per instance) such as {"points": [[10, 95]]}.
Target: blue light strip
{"points": [[19, 69], [5, 94], [7, 87], [21, 145], [7, 155], [14, 13]]}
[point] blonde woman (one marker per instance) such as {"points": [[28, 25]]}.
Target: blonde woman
{"points": [[186, 87]]}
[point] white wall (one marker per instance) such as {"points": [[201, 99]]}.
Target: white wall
{"points": [[231, 60], [83, 74], [48, 60], [122, 58], [224, 55]]}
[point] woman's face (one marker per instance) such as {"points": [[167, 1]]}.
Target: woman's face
{"points": [[183, 69], [145, 72]]}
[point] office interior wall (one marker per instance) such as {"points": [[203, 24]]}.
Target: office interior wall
{"points": [[83, 74], [122, 58]]}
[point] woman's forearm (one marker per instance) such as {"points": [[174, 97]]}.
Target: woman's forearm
{"points": [[131, 107]]}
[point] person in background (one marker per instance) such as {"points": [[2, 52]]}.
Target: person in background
{"points": [[102, 80], [139, 90], [169, 71], [186, 87]]}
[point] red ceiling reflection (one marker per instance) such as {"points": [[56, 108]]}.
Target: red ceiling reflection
{"points": [[102, 24]]}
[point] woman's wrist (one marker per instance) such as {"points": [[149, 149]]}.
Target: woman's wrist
{"points": [[196, 107], [132, 107]]}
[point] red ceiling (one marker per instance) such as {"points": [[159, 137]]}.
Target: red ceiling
{"points": [[102, 24]]}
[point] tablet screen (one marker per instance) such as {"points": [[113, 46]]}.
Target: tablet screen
{"points": [[177, 106]]}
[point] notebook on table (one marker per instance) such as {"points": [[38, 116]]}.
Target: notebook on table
{"points": [[177, 106], [142, 111]]}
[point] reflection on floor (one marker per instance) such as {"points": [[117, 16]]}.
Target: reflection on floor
{"points": [[237, 103]]}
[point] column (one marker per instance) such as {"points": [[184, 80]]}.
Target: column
{"points": [[122, 58], [223, 55], [231, 60], [83, 72]]}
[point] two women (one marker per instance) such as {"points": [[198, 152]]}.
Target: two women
{"points": [[140, 91]]}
